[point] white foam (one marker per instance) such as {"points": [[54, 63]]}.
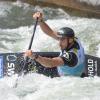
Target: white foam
{"points": [[39, 87], [98, 52]]}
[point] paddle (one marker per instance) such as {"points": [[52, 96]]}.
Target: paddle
{"points": [[30, 45], [26, 58]]}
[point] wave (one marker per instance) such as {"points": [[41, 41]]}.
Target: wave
{"points": [[35, 86]]}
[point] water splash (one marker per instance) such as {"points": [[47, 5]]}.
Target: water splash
{"points": [[35, 86]]}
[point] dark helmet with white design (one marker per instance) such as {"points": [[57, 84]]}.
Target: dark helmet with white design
{"points": [[66, 32]]}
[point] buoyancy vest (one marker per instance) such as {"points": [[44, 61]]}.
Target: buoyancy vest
{"points": [[79, 67]]}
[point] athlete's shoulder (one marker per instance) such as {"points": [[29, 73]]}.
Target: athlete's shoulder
{"points": [[69, 58]]}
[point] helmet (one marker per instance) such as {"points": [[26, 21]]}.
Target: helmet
{"points": [[66, 32]]}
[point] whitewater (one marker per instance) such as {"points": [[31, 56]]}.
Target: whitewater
{"points": [[16, 28]]}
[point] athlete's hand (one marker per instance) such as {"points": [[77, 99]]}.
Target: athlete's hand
{"points": [[39, 15], [28, 53]]}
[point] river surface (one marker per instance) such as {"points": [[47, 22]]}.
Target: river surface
{"points": [[16, 28]]}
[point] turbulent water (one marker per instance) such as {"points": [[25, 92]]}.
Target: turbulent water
{"points": [[38, 87], [16, 28]]}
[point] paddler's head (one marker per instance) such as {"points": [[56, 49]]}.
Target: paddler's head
{"points": [[66, 37]]}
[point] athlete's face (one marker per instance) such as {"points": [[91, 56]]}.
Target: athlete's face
{"points": [[63, 42]]}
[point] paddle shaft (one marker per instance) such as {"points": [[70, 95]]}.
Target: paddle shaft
{"points": [[26, 58], [30, 45]]}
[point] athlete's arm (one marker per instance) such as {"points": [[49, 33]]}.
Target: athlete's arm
{"points": [[45, 61], [69, 59], [45, 28], [50, 62]]}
